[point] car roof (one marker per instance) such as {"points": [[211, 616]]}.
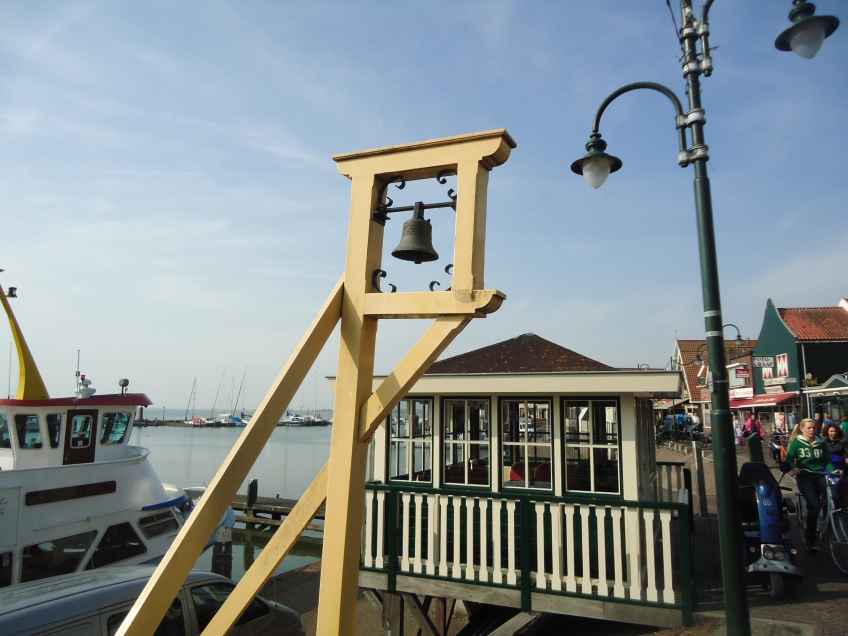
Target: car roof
{"points": [[80, 593]]}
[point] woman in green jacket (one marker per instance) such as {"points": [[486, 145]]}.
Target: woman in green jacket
{"points": [[809, 456]]}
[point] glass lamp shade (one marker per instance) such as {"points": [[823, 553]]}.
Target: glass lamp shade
{"points": [[807, 38], [596, 170]]}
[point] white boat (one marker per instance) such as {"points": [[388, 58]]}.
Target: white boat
{"points": [[74, 494]]}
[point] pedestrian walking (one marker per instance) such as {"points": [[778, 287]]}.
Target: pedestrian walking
{"points": [[754, 427]]}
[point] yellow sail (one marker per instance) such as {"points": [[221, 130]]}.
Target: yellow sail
{"points": [[30, 384]]}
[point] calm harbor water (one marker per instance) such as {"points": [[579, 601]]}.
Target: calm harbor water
{"points": [[187, 457]]}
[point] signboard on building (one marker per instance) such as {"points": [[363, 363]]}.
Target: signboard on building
{"points": [[763, 362], [767, 382], [742, 393], [743, 372]]}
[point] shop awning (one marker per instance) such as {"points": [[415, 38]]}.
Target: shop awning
{"points": [[668, 404], [769, 399]]}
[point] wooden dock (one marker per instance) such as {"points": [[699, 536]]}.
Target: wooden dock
{"points": [[263, 512]]}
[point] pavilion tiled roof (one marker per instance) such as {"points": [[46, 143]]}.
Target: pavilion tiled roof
{"points": [[816, 323], [527, 353]]}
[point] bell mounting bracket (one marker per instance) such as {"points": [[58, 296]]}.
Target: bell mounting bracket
{"points": [[381, 214]]}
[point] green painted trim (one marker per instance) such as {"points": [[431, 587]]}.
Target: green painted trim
{"points": [[582, 499], [525, 517], [687, 579]]}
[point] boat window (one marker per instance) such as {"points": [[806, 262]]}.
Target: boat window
{"points": [[158, 524], [51, 558], [411, 440], [29, 433], [5, 438], [114, 427], [5, 569], [172, 625], [466, 455], [81, 426], [119, 542], [209, 597], [526, 443], [54, 428], [591, 445]]}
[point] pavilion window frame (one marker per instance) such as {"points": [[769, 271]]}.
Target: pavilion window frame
{"points": [[410, 444], [526, 432], [586, 441], [466, 448]]}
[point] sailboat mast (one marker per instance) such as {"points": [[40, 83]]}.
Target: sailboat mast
{"points": [[191, 400], [238, 395], [220, 384]]}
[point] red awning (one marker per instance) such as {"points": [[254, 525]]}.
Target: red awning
{"points": [[769, 399]]}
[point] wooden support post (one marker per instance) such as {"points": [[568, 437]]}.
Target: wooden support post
{"points": [[357, 410], [470, 157]]}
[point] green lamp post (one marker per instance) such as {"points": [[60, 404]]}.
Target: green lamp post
{"points": [[805, 37]]}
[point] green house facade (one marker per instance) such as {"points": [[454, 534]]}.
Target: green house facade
{"points": [[798, 351]]}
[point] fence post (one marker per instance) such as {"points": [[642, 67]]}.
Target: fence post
{"points": [[699, 475]]}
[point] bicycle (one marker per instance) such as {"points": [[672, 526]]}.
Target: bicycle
{"points": [[833, 529]]}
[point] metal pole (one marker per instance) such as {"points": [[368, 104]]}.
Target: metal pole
{"points": [[698, 465], [724, 453]]}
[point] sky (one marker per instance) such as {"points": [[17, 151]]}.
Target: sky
{"points": [[171, 212]]}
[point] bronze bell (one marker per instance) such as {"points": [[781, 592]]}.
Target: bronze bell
{"points": [[416, 241]]}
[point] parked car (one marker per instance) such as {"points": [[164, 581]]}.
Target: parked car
{"points": [[97, 601], [677, 427]]}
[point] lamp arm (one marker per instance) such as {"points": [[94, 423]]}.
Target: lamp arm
{"points": [[680, 117], [705, 11]]}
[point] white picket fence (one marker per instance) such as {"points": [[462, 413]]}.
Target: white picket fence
{"points": [[629, 551]]}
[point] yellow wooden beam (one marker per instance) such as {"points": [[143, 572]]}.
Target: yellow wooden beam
{"points": [[271, 556], [470, 157], [429, 304], [168, 578], [345, 510], [425, 159], [397, 384]]}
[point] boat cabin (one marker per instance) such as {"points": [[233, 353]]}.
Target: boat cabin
{"points": [[524, 475], [63, 431]]}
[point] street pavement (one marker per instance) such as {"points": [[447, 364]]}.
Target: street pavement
{"points": [[816, 604]]}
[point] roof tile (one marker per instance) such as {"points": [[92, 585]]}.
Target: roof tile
{"points": [[816, 323], [527, 353]]}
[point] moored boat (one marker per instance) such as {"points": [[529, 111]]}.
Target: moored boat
{"points": [[74, 494]]}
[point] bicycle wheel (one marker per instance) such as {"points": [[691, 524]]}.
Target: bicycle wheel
{"points": [[837, 540]]}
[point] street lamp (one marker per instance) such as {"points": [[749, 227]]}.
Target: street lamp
{"points": [[698, 359], [805, 36], [596, 166], [738, 340], [807, 32]]}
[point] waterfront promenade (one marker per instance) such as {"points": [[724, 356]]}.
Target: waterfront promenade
{"points": [[816, 605]]}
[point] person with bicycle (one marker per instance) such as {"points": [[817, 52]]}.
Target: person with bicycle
{"points": [[809, 456]]}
